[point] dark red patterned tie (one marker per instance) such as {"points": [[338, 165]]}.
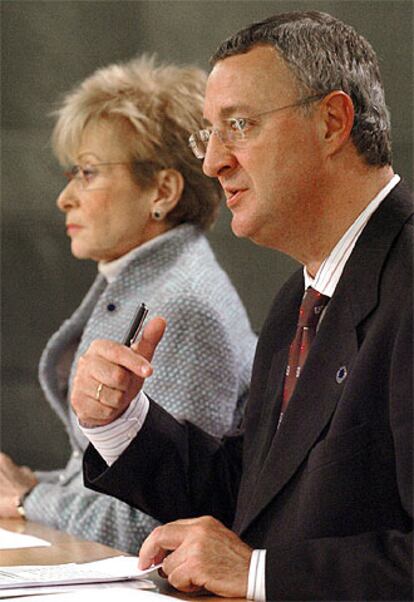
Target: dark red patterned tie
{"points": [[309, 314]]}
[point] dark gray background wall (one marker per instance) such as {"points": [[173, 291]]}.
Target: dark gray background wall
{"points": [[47, 47]]}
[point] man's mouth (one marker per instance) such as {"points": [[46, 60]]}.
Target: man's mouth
{"points": [[233, 195]]}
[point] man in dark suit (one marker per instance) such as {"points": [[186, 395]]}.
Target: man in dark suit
{"points": [[312, 498]]}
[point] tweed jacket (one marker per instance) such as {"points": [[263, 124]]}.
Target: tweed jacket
{"points": [[329, 495], [208, 334]]}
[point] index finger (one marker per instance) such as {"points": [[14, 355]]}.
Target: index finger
{"points": [[159, 543], [119, 355]]}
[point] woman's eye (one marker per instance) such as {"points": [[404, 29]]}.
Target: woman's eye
{"points": [[88, 173]]}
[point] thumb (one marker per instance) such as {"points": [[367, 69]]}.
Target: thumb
{"points": [[151, 336]]}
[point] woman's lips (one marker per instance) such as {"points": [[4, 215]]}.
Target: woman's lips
{"points": [[73, 228]]}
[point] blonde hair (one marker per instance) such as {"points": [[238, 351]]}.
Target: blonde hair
{"points": [[163, 104]]}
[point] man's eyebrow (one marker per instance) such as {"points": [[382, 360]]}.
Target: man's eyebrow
{"points": [[232, 110]]}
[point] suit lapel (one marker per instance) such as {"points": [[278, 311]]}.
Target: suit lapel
{"points": [[266, 386], [268, 397]]}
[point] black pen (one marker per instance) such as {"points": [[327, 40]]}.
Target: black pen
{"points": [[136, 325]]}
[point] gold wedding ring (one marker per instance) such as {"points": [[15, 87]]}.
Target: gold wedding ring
{"points": [[98, 391]]}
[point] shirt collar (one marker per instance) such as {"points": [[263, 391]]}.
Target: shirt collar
{"points": [[110, 270]]}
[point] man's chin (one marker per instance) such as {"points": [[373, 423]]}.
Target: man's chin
{"points": [[238, 227], [244, 229]]}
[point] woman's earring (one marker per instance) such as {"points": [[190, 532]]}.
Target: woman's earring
{"points": [[157, 215]]}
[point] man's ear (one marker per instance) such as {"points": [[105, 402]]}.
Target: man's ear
{"points": [[169, 188], [338, 119]]}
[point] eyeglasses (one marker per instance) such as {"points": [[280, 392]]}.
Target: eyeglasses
{"points": [[237, 129], [91, 177]]}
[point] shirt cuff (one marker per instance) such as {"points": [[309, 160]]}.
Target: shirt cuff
{"points": [[256, 586], [112, 439]]}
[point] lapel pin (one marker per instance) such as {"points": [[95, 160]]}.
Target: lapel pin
{"points": [[341, 374]]}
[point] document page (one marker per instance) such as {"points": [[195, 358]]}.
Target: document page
{"points": [[10, 540], [119, 568], [119, 592], [18, 592]]}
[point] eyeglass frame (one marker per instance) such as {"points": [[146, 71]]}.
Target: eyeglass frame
{"points": [[225, 138], [74, 172]]}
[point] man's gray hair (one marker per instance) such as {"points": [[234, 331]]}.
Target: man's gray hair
{"points": [[325, 54]]}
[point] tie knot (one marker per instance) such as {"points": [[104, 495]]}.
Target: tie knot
{"points": [[311, 308]]}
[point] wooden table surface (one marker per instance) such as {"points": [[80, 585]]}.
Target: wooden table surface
{"points": [[66, 548]]}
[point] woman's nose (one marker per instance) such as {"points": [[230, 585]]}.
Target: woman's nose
{"points": [[68, 197]]}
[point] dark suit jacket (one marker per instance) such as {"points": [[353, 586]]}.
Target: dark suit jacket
{"points": [[330, 494]]}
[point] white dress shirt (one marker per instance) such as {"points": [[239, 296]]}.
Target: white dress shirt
{"points": [[111, 440]]}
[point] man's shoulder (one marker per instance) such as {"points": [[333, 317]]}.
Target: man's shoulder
{"points": [[399, 203], [390, 226]]}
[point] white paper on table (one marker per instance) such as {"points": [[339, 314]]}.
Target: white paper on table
{"points": [[105, 594], [118, 568], [10, 540], [60, 589]]}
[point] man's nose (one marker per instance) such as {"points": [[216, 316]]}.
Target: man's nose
{"points": [[218, 157]]}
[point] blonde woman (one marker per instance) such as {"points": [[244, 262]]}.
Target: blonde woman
{"points": [[138, 204]]}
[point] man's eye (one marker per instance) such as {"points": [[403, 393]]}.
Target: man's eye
{"points": [[239, 124]]}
